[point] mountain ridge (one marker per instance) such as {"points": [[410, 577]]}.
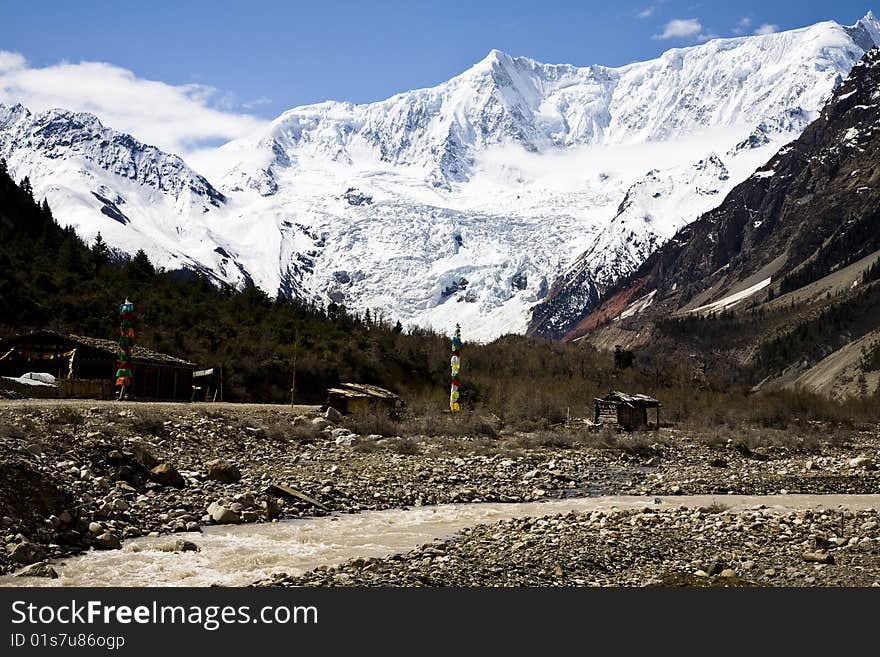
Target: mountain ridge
{"points": [[781, 278], [502, 176]]}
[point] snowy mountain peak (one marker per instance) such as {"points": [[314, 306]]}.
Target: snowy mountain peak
{"points": [[514, 189], [495, 57], [58, 134], [866, 31]]}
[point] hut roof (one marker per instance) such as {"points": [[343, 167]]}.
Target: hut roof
{"points": [[138, 352], [630, 400], [363, 390]]}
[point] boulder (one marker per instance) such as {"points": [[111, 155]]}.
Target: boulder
{"points": [[115, 457], [862, 462], [223, 515], [142, 456], [41, 569], [333, 415], [120, 505], [26, 553], [247, 500], [273, 508], [167, 475], [108, 541], [321, 423], [222, 471], [182, 545], [819, 557]]}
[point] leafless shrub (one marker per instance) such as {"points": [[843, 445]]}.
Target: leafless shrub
{"points": [[8, 430], [406, 446], [148, 422], [366, 447], [66, 415]]}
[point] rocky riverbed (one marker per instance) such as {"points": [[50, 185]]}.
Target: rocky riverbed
{"points": [[82, 475], [646, 547]]}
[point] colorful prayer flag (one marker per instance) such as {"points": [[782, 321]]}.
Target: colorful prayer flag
{"points": [[455, 366]]}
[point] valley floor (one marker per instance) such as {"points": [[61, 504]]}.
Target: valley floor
{"points": [[82, 474]]}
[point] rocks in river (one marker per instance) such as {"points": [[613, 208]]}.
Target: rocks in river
{"points": [[108, 541], [41, 569], [272, 507], [96, 528], [180, 545], [26, 552], [223, 515], [222, 471], [167, 475]]}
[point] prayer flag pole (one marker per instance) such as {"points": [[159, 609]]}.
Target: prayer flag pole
{"points": [[454, 405], [126, 340]]}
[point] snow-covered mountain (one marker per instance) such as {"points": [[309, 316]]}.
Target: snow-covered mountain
{"points": [[101, 180], [515, 185]]}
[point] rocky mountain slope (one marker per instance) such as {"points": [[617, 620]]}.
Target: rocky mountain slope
{"points": [[467, 202], [782, 276]]}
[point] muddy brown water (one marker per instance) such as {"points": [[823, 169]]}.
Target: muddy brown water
{"points": [[238, 555]]}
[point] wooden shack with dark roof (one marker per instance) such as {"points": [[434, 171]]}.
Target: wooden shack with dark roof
{"points": [[363, 398], [629, 412], [86, 367]]}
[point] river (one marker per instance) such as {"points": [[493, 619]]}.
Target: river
{"points": [[238, 555]]}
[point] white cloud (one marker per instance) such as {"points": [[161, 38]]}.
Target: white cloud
{"points": [[647, 12], [767, 28], [745, 21], [679, 28], [10, 61], [262, 100], [176, 118]]}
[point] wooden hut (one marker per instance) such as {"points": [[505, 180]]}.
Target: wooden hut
{"points": [[363, 398], [626, 411], [86, 367]]}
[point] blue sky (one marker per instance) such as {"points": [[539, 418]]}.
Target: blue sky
{"points": [[258, 58]]}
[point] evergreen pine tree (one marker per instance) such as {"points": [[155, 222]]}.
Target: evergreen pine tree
{"points": [[100, 251]]}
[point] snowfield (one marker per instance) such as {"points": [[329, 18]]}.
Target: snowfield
{"points": [[462, 203]]}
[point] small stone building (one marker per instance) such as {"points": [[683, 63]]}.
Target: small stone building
{"points": [[626, 411], [363, 398], [86, 367]]}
